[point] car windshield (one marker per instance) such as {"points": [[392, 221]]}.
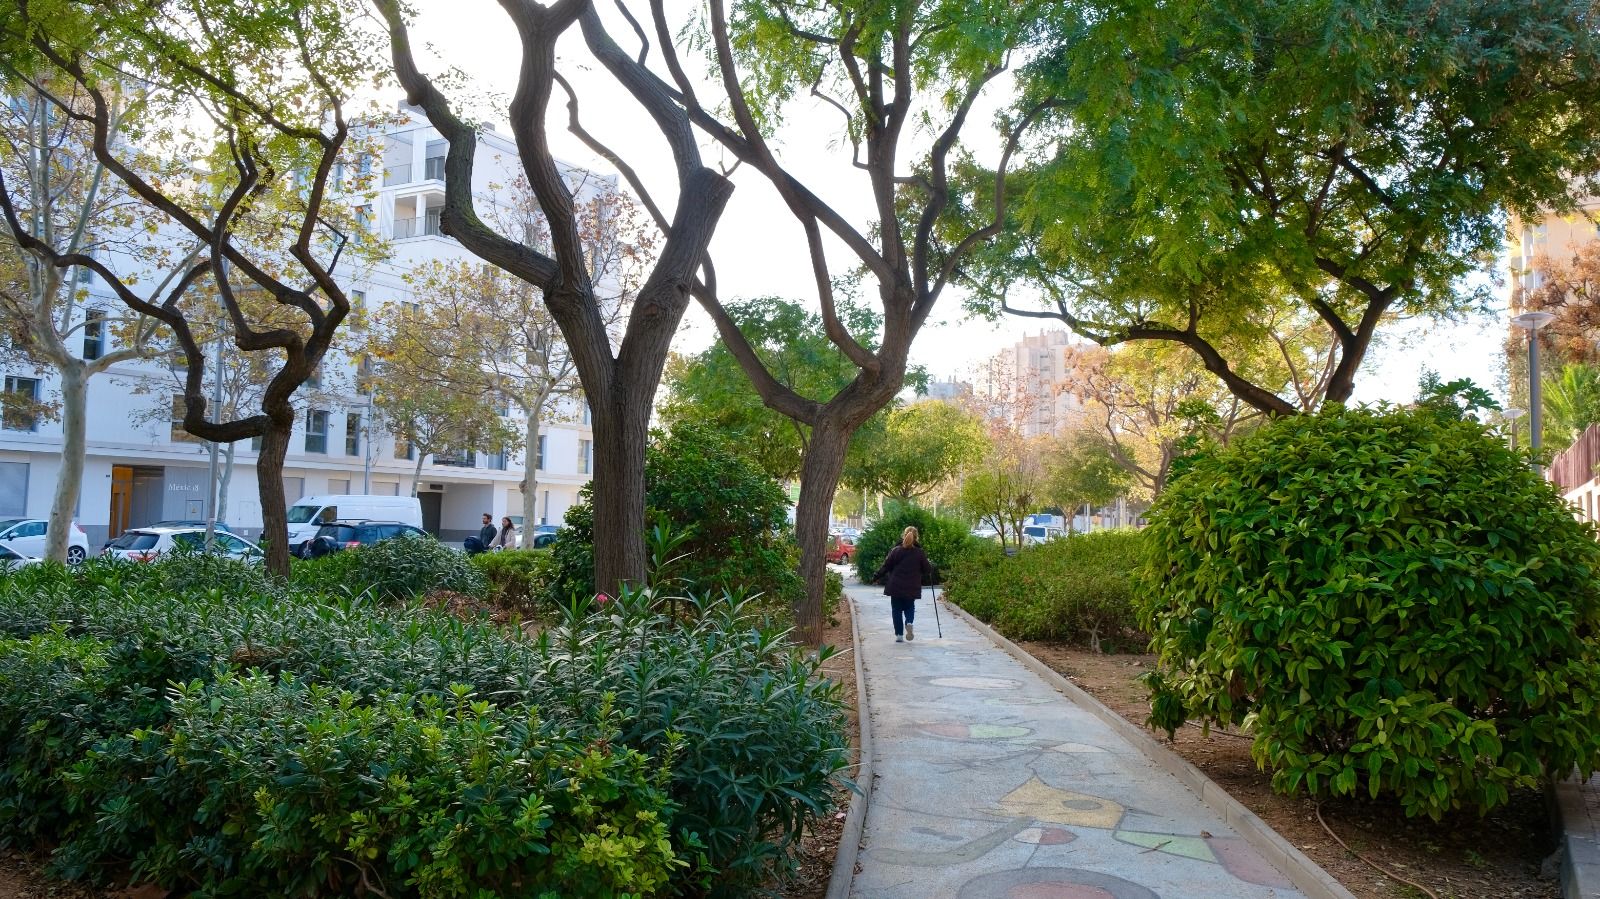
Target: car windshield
{"points": [[7, 523], [1033, 531], [134, 540], [303, 514]]}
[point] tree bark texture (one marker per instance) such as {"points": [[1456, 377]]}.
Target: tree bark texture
{"points": [[69, 479], [621, 431], [269, 484], [819, 478], [530, 474]]}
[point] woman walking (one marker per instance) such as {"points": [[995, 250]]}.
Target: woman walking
{"points": [[902, 574], [507, 538]]}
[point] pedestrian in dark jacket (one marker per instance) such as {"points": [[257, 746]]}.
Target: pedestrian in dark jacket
{"points": [[902, 574], [486, 535]]}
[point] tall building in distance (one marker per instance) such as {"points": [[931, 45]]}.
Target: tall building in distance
{"points": [[141, 467], [1035, 376]]}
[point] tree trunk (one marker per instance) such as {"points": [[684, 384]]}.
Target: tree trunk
{"points": [[69, 481], [621, 430], [821, 467], [530, 474], [416, 473], [269, 485], [226, 481]]}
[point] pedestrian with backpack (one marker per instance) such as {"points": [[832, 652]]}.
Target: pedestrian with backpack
{"points": [[902, 574]]}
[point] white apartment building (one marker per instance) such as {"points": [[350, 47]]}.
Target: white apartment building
{"points": [[141, 468]]}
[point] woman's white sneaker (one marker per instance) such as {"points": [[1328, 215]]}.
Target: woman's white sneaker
{"points": [[910, 634]]}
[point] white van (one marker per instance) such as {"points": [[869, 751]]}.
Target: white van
{"points": [[312, 512]]}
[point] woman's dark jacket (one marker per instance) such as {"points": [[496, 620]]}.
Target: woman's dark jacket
{"points": [[904, 571]]}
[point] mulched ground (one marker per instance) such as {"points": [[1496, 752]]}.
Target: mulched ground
{"points": [[1464, 857]]}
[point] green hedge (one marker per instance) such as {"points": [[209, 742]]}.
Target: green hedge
{"points": [[943, 539], [517, 579], [1391, 601], [235, 741], [1079, 588], [396, 569]]}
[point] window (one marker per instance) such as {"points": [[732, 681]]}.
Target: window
{"points": [[316, 431], [497, 460], [315, 380], [386, 488], [13, 488], [588, 413], [180, 408], [363, 223], [358, 309], [339, 486], [255, 444], [94, 335], [585, 456], [403, 449], [352, 434], [538, 464], [19, 405]]}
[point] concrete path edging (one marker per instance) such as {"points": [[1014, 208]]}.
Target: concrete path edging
{"points": [[842, 880], [1577, 808], [1305, 874]]}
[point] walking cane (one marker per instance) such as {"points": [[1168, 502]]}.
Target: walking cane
{"points": [[936, 622]]}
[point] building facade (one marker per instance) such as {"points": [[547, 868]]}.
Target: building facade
{"points": [[1037, 373], [141, 467]]}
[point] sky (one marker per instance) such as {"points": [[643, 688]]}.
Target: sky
{"points": [[759, 248]]}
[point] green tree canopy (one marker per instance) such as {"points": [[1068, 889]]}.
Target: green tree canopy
{"points": [[1217, 163], [919, 447]]}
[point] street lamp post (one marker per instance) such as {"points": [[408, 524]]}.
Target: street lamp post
{"points": [[211, 480], [1532, 322], [1511, 415]]}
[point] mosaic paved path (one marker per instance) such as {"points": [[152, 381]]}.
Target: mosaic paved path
{"points": [[990, 783]]}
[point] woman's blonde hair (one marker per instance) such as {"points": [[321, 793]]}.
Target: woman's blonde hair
{"points": [[908, 537]]}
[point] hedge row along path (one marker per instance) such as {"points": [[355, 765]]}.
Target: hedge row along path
{"points": [[991, 784]]}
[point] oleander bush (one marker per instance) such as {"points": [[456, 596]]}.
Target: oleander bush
{"points": [[516, 579], [1391, 601], [291, 741], [943, 539], [396, 569], [1079, 588]]}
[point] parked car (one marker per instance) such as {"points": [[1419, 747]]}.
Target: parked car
{"points": [[1040, 533], [312, 512], [147, 544], [190, 523], [26, 537], [349, 534], [841, 550], [986, 532], [543, 536], [11, 560]]}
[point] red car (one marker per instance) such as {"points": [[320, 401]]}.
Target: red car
{"points": [[840, 549]]}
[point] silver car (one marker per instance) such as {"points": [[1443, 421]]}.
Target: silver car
{"points": [[147, 544]]}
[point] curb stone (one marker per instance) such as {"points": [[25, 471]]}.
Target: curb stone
{"points": [[1577, 813], [1304, 873], [843, 877]]}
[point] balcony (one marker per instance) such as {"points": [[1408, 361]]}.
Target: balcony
{"points": [[421, 226], [432, 170], [456, 459]]}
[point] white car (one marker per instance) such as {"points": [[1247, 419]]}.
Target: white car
{"points": [[1035, 534], [26, 536], [11, 560], [146, 544]]}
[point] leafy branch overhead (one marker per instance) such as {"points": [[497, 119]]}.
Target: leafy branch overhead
{"points": [[1346, 161]]}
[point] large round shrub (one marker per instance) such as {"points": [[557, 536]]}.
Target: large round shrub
{"points": [[1390, 600], [943, 539]]}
